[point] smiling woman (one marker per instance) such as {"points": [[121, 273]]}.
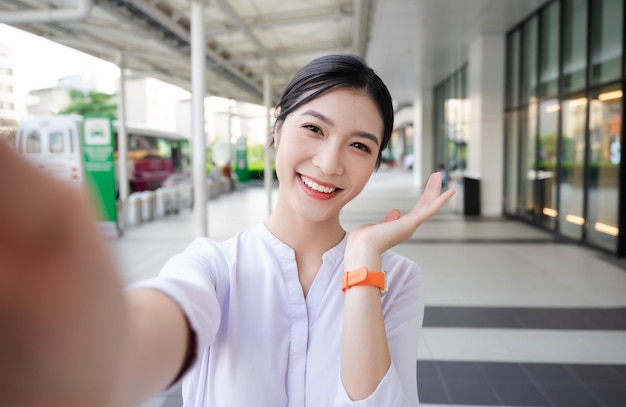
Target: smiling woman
{"points": [[294, 311]]}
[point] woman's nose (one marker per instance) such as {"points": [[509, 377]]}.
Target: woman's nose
{"points": [[329, 159]]}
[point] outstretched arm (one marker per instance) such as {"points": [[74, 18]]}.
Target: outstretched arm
{"points": [[69, 335], [365, 353]]}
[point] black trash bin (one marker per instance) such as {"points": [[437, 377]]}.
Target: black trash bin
{"points": [[471, 196]]}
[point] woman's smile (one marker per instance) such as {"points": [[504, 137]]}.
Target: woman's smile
{"points": [[318, 189]]}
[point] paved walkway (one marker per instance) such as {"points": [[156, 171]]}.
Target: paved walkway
{"points": [[514, 317]]}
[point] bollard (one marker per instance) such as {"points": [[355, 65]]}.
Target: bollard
{"points": [[224, 186], [180, 193], [147, 202], [159, 205], [174, 203], [186, 196], [213, 189], [134, 208], [167, 199]]}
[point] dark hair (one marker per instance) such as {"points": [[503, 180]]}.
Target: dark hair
{"points": [[337, 71]]}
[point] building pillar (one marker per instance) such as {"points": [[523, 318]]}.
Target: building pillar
{"points": [[485, 147], [423, 164], [198, 144]]}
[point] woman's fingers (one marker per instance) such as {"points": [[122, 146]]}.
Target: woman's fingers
{"points": [[431, 200], [396, 227]]}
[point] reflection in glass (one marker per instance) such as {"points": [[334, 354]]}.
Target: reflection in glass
{"points": [[456, 111], [528, 171], [529, 61], [605, 127], [513, 69], [451, 117], [548, 129], [440, 125], [574, 44], [549, 68], [606, 40], [511, 162], [572, 178], [56, 139]]}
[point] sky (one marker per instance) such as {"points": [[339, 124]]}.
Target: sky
{"points": [[39, 63]]}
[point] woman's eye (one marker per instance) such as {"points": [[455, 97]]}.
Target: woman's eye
{"points": [[362, 147], [312, 128]]}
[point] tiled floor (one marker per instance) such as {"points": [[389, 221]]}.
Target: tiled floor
{"points": [[514, 316]]}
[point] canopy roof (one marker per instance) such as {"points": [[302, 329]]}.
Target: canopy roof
{"points": [[412, 44]]}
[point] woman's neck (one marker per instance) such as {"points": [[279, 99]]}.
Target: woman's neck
{"points": [[305, 237]]}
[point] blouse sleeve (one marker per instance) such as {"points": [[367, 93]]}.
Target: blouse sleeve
{"points": [[403, 311], [190, 279]]}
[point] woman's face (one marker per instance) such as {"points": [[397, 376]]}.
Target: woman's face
{"points": [[326, 152]]}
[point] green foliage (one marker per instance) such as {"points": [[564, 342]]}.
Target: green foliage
{"points": [[92, 102], [256, 156], [256, 162]]}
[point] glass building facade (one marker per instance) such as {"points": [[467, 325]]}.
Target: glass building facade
{"points": [[451, 121], [563, 122]]}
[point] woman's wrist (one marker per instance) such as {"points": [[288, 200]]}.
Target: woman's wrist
{"points": [[361, 255]]}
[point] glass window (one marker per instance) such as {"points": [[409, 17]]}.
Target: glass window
{"points": [[513, 69], [574, 44], [606, 40], [546, 174], [511, 163], [528, 171], [165, 150], [57, 142], [33, 142], [529, 61], [572, 158], [72, 140], [440, 132], [605, 128], [549, 69]]}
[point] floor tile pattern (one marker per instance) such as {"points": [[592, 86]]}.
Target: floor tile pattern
{"points": [[521, 384]]}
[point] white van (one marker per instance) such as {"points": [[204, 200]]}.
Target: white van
{"points": [[54, 144]]}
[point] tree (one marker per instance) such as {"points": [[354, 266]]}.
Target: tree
{"points": [[91, 102]]}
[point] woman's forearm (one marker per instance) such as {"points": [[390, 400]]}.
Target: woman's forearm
{"points": [[158, 338], [364, 350]]}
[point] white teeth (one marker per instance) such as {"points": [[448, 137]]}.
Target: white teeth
{"points": [[315, 186]]}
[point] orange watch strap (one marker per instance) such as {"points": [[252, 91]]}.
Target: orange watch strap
{"points": [[362, 276]]}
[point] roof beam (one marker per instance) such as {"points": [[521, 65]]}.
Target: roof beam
{"points": [[160, 21], [81, 12], [340, 47], [236, 19], [282, 19]]}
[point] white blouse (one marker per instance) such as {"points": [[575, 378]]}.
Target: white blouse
{"points": [[262, 343]]}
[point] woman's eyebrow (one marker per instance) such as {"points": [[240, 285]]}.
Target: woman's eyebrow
{"points": [[320, 116], [328, 121], [368, 136]]}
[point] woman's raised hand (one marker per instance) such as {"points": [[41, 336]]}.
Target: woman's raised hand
{"points": [[62, 309], [373, 240]]}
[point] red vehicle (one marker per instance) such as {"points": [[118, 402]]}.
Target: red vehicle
{"points": [[153, 156]]}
